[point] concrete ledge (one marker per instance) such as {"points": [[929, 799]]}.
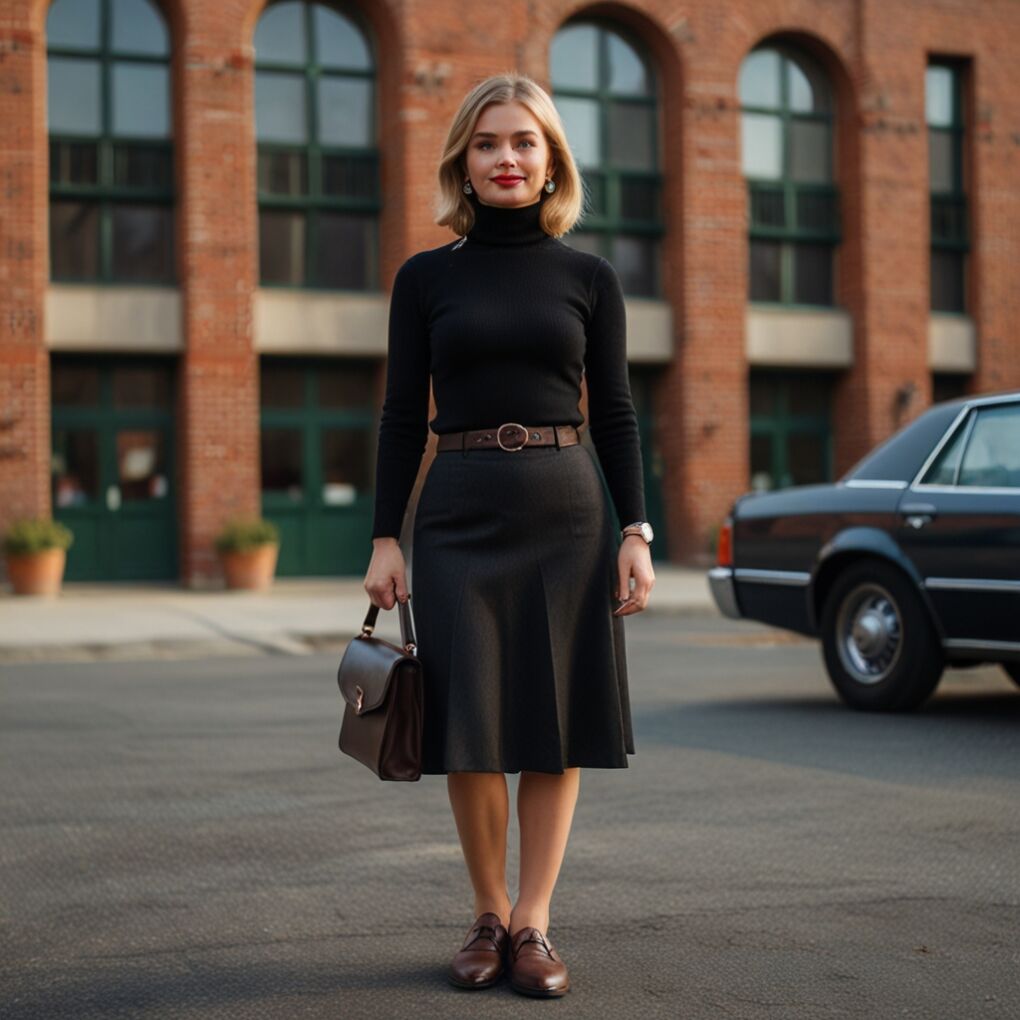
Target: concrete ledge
{"points": [[801, 337], [952, 343], [311, 322], [113, 318]]}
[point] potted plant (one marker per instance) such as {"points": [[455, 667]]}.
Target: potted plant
{"points": [[36, 551], [248, 549]]}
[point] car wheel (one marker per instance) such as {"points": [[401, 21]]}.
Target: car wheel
{"points": [[880, 648], [1012, 671]]}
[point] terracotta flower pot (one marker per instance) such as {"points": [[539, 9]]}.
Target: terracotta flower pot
{"points": [[252, 569], [37, 573]]}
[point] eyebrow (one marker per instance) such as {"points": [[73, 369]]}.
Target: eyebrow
{"points": [[492, 134]]}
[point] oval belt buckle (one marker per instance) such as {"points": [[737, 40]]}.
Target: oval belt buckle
{"points": [[511, 424]]}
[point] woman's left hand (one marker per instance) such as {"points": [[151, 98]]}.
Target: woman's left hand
{"points": [[634, 561]]}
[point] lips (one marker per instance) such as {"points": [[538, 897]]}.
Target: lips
{"points": [[507, 180]]}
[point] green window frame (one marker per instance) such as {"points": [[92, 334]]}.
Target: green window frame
{"points": [[607, 93], [787, 119], [318, 182], [111, 152], [950, 241]]}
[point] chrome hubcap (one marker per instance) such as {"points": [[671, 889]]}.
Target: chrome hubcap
{"points": [[870, 632]]}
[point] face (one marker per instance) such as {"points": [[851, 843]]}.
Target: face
{"points": [[508, 157]]}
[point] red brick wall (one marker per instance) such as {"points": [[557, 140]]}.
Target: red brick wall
{"points": [[429, 54]]}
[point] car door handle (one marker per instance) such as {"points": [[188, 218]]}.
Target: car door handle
{"points": [[918, 514]]}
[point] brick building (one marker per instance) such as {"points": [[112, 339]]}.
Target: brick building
{"points": [[814, 208]]}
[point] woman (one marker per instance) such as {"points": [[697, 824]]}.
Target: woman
{"points": [[520, 580]]}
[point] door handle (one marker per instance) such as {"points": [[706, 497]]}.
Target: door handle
{"points": [[113, 497]]}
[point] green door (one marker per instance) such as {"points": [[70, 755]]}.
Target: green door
{"points": [[112, 467], [317, 451], [791, 431], [642, 388]]}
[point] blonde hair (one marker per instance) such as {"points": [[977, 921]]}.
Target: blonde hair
{"points": [[560, 210]]}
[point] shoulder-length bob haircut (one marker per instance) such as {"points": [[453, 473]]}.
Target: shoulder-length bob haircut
{"points": [[561, 209]]}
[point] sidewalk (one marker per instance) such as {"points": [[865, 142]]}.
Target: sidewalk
{"points": [[145, 621]]}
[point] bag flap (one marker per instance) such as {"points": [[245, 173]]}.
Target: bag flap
{"points": [[366, 669]]}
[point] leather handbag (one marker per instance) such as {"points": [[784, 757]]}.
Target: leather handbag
{"points": [[381, 685]]}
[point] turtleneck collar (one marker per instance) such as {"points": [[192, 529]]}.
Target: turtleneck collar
{"points": [[511, 225]]}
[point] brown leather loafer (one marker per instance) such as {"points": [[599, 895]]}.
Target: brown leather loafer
{"points": [[535, 966], [482, 959]]}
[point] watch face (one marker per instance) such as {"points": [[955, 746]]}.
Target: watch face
{"points": [[646, 532]]}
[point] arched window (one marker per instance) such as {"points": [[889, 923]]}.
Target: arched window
{"points": [[318, 165], [110, 129], [786, 128], [606, 93]]}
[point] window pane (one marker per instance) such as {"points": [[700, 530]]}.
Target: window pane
{"points": [[73, 24], [809, 394], [346, 465], [808, 86], [281, 462], [941, 176], [763, 470], [812, 280], [280, 108], [74, 384], [948, 385], [345, 111], [573, 58], [138, 28], [280, 35], [146, 386], [943, 469], [765, 257], [345, 251], [992, 456], [594, 185], [627, 71], [581, 121], [141, 242], [947, 281], [764, 393], [584, 241], [338, 41], [141, 465], [281, 247], [810, 151], [768, 206], [74, 163], [72, 106], [634, 259], [817, 210], [74, 467], [639, 200], [350, 176], [762, 145], [281, 386], [141, 100], [806, 458], [137, 166], [759, 79], [283, 173], [938, 96], [632, 135], [345, 386], [74, 240]]}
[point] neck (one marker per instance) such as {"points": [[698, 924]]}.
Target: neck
{"points": [[506, 224]]}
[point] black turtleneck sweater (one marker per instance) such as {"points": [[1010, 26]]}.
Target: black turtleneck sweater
{"points": [[505, 322]]}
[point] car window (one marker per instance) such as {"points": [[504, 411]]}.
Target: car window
{"points": [[992, 456], [943, 468]]}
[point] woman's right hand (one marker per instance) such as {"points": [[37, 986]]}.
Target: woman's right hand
{"points": [[386, 580]]}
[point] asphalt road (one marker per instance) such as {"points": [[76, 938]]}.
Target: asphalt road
{"points": [[183, 839]]}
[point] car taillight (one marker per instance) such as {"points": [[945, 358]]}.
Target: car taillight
{"points": [[725, 545]]}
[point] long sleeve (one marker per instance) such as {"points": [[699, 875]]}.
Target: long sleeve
{"points": [[403, 426], [611, 415]]}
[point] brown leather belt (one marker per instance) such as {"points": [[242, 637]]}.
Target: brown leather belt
{"points": [[510, 436]]}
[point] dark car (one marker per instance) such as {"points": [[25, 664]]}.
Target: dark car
{"points": [[910, 562]]}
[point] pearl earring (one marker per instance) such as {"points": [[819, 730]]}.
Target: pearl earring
{"points": [[467, 188], [550, 185]]}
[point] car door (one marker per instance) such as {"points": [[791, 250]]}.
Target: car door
{"points": [[959, 521]]}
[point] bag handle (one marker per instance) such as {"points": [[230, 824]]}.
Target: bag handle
{"points": [[407, 638]]}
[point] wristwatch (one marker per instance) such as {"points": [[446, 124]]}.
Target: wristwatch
{"points": [[642, 528]]}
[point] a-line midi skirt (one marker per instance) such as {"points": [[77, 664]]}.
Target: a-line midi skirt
{"points": [[513, 576]]}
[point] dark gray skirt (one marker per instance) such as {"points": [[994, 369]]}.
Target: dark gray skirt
{"points": [[513, 577]]}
